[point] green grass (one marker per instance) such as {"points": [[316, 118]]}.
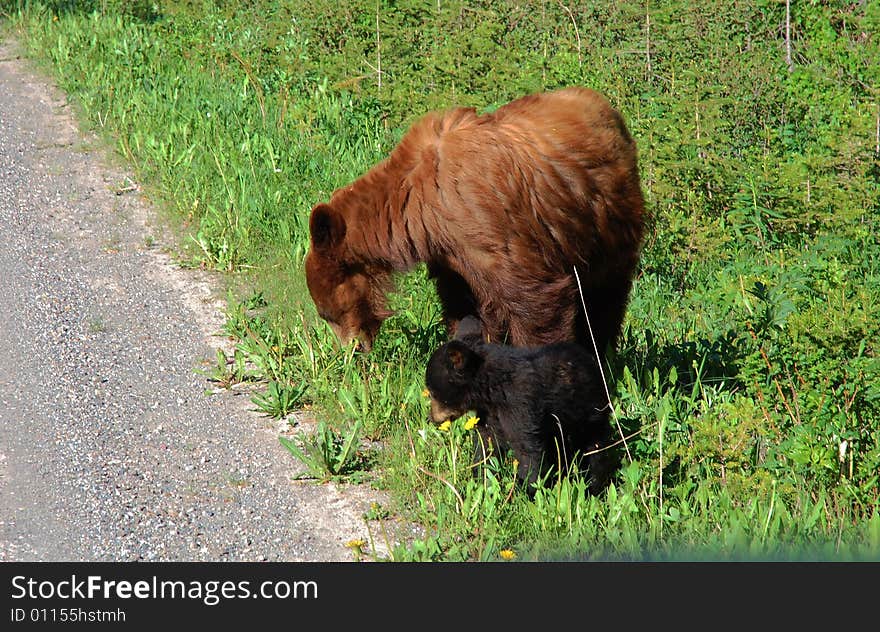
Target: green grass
{"points": [[747, 376]]}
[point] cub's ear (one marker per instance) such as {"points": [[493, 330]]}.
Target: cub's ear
{"points": [[462, 358], [327, 227], [456, 358]]}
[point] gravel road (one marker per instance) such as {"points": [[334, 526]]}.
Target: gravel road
{"points": [[110, 449]]}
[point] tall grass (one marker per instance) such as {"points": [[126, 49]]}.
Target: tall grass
{"points": [[746, 381]]}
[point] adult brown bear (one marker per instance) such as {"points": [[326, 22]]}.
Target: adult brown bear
{"points": [[501, 207]]}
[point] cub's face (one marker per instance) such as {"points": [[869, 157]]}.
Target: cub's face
{"points": [[449, 376], [349, 296]]}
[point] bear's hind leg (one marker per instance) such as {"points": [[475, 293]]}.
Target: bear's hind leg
{"points": [[606, 308]]}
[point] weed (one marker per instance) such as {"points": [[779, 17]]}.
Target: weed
{"points": [[280, 400], [227, 371], [326, 454], [97, 324]]}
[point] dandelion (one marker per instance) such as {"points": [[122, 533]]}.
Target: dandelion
{"points": [[445, 426], [357, 547], [471, 422], [507, 554], [426, 393]]}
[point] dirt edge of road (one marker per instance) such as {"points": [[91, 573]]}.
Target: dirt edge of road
{"points": [[340, 511]]}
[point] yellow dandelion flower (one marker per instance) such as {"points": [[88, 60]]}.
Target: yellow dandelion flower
{"points": [[471, 422], [446, 425], [355, 544], [426, 393], [515, 464], [507, 554]]}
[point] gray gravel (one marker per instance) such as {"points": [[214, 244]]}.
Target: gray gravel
{"points": [[110, 449]]}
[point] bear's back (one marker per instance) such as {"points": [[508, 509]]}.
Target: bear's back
{"points": [[552, 175]]}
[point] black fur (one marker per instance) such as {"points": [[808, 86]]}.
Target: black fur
{"points": [[527, 398]]}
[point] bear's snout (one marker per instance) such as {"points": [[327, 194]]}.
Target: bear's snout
{"points": [[440, 413]]}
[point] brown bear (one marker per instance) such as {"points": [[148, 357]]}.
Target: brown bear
{"points": [[502, 208]]}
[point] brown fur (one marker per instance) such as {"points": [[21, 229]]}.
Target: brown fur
{"points": [[501, 207]]}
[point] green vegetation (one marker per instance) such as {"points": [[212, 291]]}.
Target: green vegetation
{"points": [[747, 380], [327, 455]]}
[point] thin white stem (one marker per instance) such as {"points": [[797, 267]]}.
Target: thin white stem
{"points": [[788, 34], [378, 53], [599, 363]]}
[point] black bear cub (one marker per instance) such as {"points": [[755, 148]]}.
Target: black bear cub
{"points": [[545, 403]]}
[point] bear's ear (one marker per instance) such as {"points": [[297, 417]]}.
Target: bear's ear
{"points": [[456, 358], [462, 358], [327, 227]]}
